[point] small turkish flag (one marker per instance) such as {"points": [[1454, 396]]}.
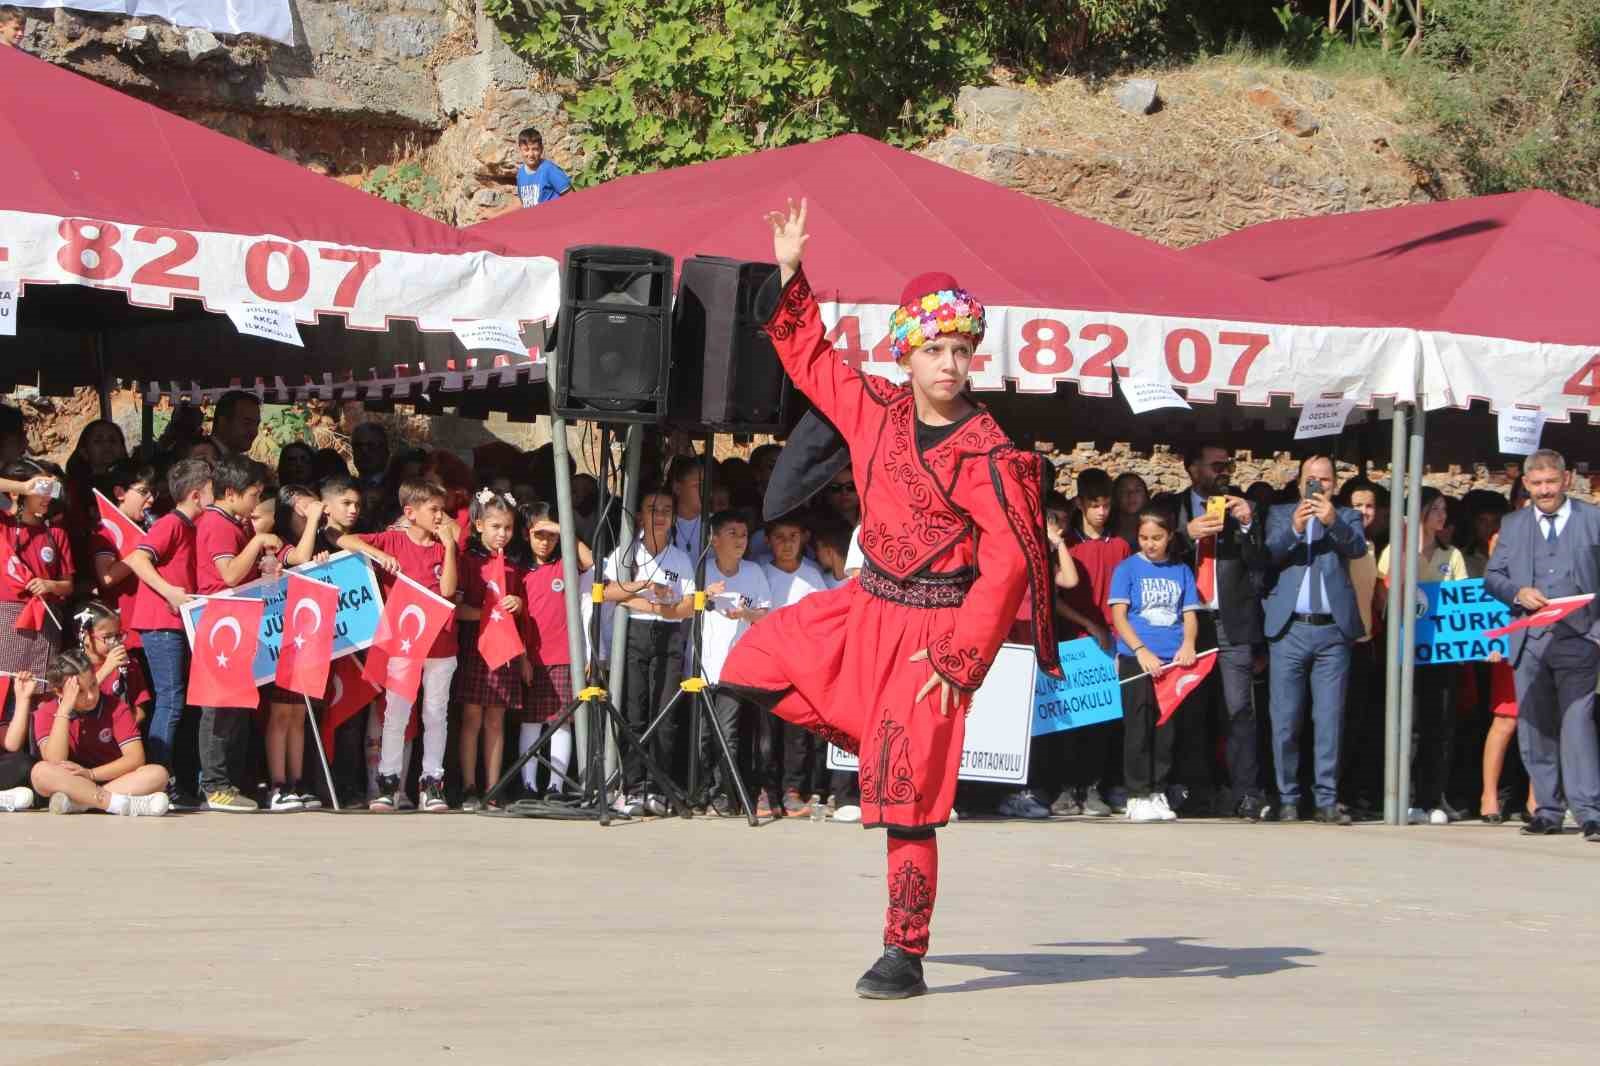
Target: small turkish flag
{"points": [[307, 647], [1176, 682], [14, 577], [499, 640], [348, 695], [1552, 612], [226, 637], [120, 530], [412, 618]]}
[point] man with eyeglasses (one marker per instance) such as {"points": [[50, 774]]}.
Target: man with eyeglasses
{"points": [[841, 496], [1218, 535]]}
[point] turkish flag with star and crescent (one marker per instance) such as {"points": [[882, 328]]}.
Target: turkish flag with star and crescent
{"points": [[120, 530], [348, 695], [226, 637], [1552, 612], [1176, 682], [15, 573], [306, 650], [499, 638], [412, 617]]}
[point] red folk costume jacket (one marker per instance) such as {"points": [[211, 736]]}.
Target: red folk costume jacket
{"points": [[969, 507]]}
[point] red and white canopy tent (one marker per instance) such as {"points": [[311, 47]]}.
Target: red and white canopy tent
{"points": [[1069, 299], [1500, 289], [176, 225]]}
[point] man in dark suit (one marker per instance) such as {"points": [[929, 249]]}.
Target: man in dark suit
{"points": [[1227, 555], [1312, 619], [1548, 551]]}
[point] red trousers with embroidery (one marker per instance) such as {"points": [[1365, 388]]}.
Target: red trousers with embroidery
{"points": [[839, 664]]}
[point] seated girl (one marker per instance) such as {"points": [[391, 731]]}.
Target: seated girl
{"points": [[90, 754]]}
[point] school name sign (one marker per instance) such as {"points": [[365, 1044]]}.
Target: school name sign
{"points": [[1452, 617]]}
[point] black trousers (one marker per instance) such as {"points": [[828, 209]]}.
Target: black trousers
{"points": [[224, 736], [653, 668], [730, 713], [1361, 773], [16, 768], [1434, 724], [1146, 748], [1227, 709]]}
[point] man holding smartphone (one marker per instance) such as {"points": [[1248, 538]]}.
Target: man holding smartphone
{"points": [[1312, 619], [1218, 535]]}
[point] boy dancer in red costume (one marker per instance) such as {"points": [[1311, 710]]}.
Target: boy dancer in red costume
{"points": [[953, 532]]}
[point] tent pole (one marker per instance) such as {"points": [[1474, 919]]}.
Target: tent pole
{"points": [[1392, 812], [632, 449], [1408, 641]]}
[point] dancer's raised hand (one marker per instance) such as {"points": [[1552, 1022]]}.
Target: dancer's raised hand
{"points": [[789, 238]]}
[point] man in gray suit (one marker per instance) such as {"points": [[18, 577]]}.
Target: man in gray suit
{"points": [[1311, 620], [1547, 551]]}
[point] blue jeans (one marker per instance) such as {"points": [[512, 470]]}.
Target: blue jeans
{"points": [[167, 653], [1318, 656]]}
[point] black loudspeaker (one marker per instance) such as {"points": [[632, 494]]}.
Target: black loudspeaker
{"points": [[614, 336], [725, 376]]}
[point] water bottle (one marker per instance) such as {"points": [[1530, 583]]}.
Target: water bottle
{"points": [[819, 811]]}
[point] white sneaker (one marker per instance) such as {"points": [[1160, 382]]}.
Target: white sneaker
{"points": [[1438, 817], [285, 800], [16, 799], [1416, 816], [152, 806], [955, 816], [1143, 809], [1164, 811], [656, 805], [852, 813], [61, 803]]}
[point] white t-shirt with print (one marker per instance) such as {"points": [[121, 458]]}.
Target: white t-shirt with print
{"points": [[747, 587], [671, 568]]}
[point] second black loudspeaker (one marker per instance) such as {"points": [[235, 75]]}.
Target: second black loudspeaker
{"points": [[725, 374]]}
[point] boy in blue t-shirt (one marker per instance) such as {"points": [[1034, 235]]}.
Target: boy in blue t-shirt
{"points": [[1153, 600], [538, 179]]}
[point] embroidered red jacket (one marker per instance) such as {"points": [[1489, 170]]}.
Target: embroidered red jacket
{"points": [[972, 502]]}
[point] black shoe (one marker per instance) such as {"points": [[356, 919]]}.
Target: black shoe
{"points": [[1250, 808], [1331, 816], [1289, 812], [897, 975], [1591, 832], [1494, 818], [1540, 826]]}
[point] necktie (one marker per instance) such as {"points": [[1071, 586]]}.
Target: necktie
{"points": [[1205, 578], [1550, 530], [1314, 597]]}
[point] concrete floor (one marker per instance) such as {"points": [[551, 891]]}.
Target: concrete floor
{"points": [[323, 939]]}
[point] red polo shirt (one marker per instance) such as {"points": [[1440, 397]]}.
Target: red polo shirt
{"points": [[170, 545], [95, 737], [218, 537], [42, 551], [1097, 560], [120, 597], [544, 627], [424, 564]]}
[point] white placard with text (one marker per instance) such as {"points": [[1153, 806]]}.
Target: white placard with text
{"points": [[273, 323], [1520, 430], [1324, 416]]}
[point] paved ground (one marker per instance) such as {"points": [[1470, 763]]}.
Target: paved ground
{"points": [[322, 939]]}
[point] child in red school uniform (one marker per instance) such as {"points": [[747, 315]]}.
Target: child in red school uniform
{"points": [[547, 664], [164, 564], [16, 763], [227, 554], [297, 512], [90, 754], [486, 694], [131, 487], [424, 549], [37, 569], [101, 638]]}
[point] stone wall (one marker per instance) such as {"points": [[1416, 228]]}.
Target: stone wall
{"points": [[367, 83]]}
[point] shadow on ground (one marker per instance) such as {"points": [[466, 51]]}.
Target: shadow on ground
{"points": [[1160, 956]]}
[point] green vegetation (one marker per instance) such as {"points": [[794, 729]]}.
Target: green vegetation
{"points": [[404, 184], [1506, 92], [1512, 89]]}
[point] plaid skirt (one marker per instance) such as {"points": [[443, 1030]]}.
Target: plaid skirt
{"points": [[486, 687], [549, 694], [26, 651]]}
